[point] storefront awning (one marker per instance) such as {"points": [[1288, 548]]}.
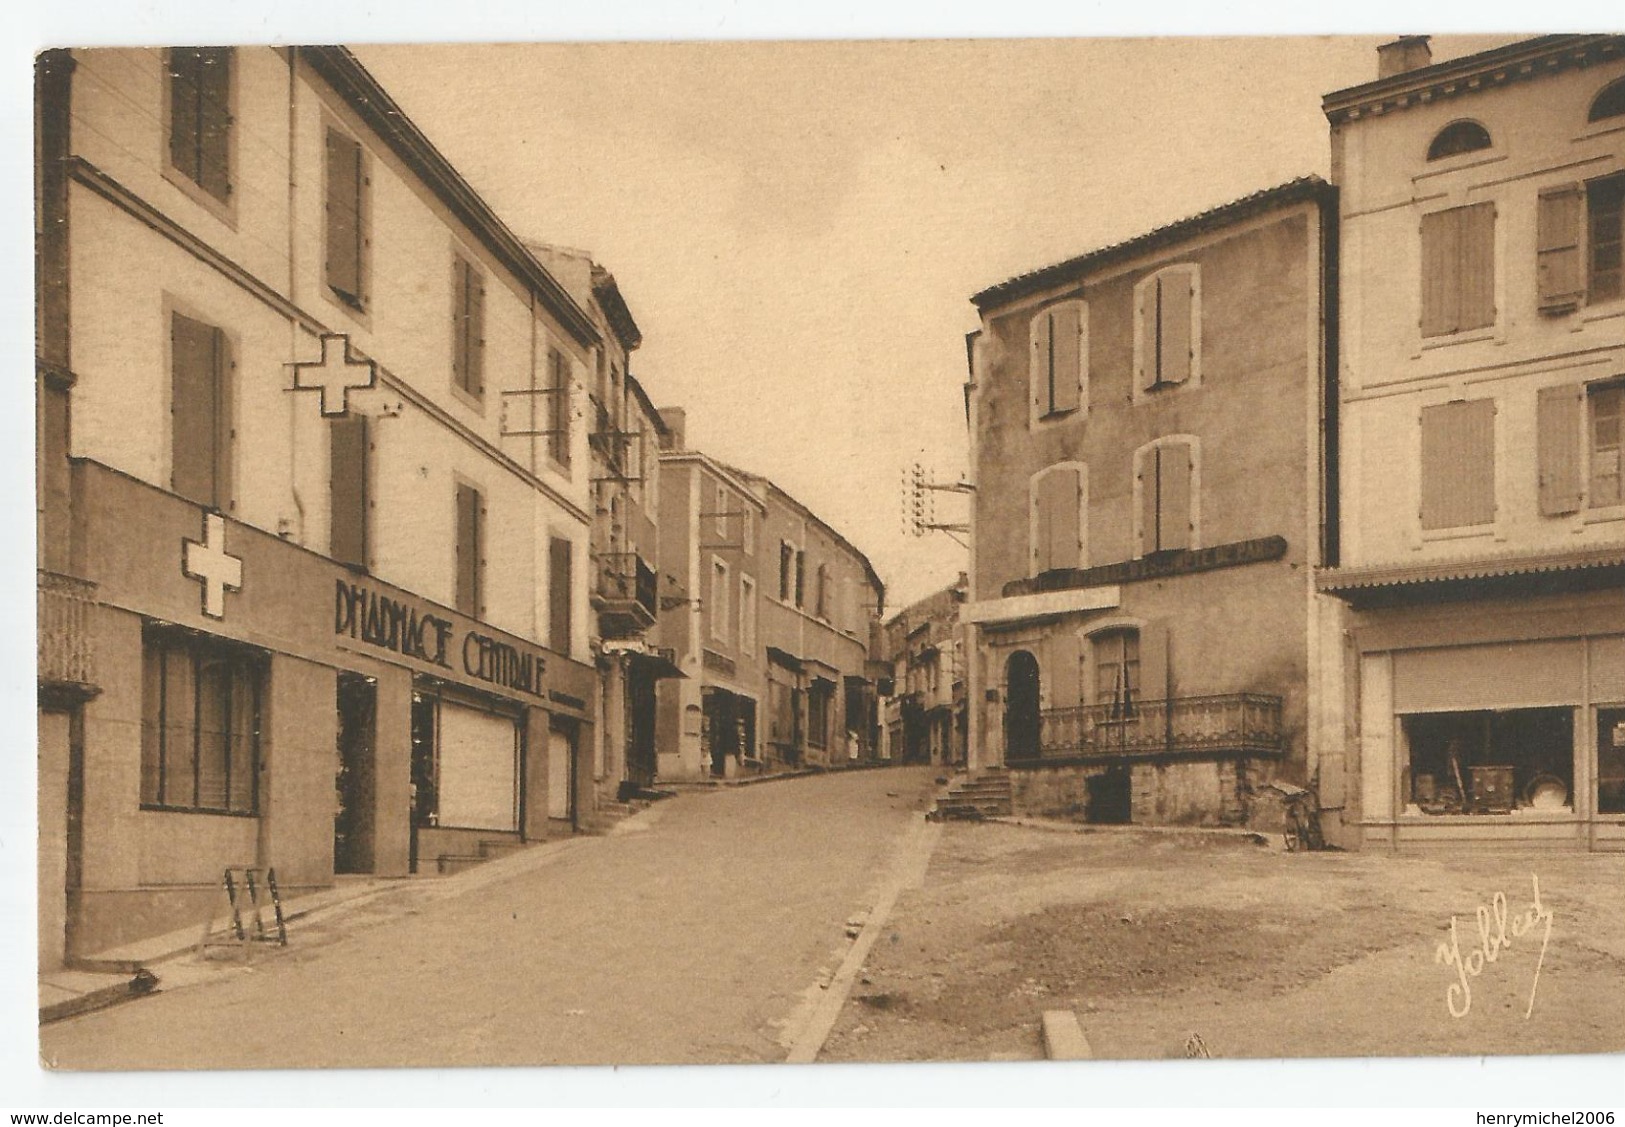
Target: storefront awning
{"points": [[660, 664], [1584, 569]]}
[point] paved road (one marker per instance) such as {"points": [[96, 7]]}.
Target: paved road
{"points": [[694, 941]]}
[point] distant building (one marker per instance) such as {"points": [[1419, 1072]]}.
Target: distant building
{"points": [[1148, 426], [775, 640], [309, 597], [924, 716], [1482, 331]]}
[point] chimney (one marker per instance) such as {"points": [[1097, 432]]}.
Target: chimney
{"points": [[676, 420], [1407, 53]]}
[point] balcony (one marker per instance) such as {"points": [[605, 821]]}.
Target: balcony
{"points": [[1229, 724], [624, 594], [65, 657]]}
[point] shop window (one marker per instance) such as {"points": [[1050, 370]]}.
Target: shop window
{"points": [[1609, 103], [1117, 672], [348, 219], [560, 578], [1165, 485], [1167, 338], [1458, 464], [467, 326], [200, 724], [350, 483], [1491, 762], [470, 550], [202, 433], [1060, 351], [819, 698], [1459, 137], [465, 766], [1057, 518], [1611, 761], [1458, 269], [200, 122]]}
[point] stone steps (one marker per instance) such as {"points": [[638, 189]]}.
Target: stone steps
{"points": [[984, 795]]}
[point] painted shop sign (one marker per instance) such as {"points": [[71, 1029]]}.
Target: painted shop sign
{"points": [[380, 620], [1158, 566]]}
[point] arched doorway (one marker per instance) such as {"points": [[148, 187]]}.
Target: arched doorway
{"points": [[1021, 707]]}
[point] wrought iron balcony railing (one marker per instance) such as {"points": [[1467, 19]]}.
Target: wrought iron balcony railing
{"points": [[626, 581], [1237, 723], [65, 656]]}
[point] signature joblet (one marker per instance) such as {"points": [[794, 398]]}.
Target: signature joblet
{"points": [[1496, 932]]}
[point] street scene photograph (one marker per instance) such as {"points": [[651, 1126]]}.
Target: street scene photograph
{"points": [[829, 552]]}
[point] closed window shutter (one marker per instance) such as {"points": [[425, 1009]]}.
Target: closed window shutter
{"points": [[1059, 533], [1148, 500], [1042, 370], [1174, 327], [468, 549], [194, 427], [1477, 266], [459, 322], [1558, 438], [183, 110], [558, 407], [1174, 496], [476, 332], [1557, 256], [225, 387], [558, 594], [1043, 527], [1458, 464], [343, 215], [347, 542], [1441, 258], [1066, 335], [214, 123], [1146, 309]]}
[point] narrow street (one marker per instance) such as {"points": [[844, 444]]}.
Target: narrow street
{"points": [[691, 940]]}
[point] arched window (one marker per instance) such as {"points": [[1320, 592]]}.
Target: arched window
{"points": [[1059, 371], [1459, 137], [1610, 103]]}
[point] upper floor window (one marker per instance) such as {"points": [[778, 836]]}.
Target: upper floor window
{"points": [[821, 593], [1606, 403], [467, 326], [1458, 464], [1580, 445], [747, 615], [1458, 269], [470, 550], [1459, 137], [801, 577], [1060, 350], [558, 407], [1057, 518], [1609, 103], [348, 218], [719, 600], [200, 117], [787, 568], [1165, 483], [1117, 671], [1571, 217], [1167, 333], [202, 424]]}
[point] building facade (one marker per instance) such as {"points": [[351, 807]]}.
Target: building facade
{"points": [[309, 597], [1483, 392], [924, 714], [1147, 440]]}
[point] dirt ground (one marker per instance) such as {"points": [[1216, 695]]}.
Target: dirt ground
{"points": [[1167, 943]]}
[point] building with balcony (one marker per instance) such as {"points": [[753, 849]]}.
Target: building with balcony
{"points": [[314, 582], [924, 708], [624, 434], [1149, 429], [1482, 333]]}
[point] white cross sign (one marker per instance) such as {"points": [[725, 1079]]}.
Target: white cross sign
{"points": [[335, 375], [209, 562]]}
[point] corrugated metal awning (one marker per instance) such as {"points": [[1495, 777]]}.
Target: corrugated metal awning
{"points": [[1336, 580]]}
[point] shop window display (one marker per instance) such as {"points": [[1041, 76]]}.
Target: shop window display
{"points": [[1483, 762]]}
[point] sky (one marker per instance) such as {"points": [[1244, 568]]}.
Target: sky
{"points": [[798, 226]]}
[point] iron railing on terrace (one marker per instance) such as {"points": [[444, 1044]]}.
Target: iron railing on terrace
{"points": [[1246, 723], [64, 629]]}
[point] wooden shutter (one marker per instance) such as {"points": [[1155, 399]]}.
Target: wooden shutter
{"points": [[558, 594], [214, 122], [1559, 441], [225, 416], [1057, 538], [344, 215], [1174, 327], [1557, 254], [347, 542], [1441, 259], [476, 331], [801, 577], [468, 549], [1477, 266], [1174, 496], [1147, 478], [194, 423], [1042, 369], [183, 109], [459, 322], [558, 407], [1458, 464], [1066, 341]]}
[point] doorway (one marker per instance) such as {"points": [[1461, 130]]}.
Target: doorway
{"points": [[1611, 760], [1021, 719], [640, 727], [722, 721], [356, 782], [1110, 797], [561, 771]]}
